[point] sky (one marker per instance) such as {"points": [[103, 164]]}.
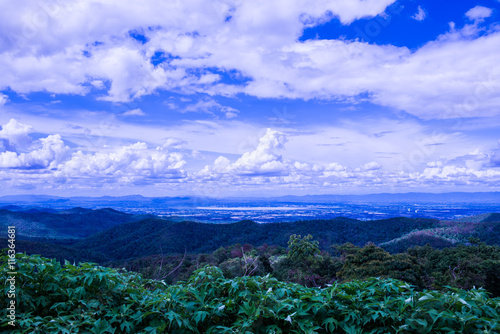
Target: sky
{"points": [[249, 98]]}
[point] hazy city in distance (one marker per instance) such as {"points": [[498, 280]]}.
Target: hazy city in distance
{"points": [[275, 209]]}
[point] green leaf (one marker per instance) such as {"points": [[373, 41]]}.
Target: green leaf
{"points": [[200, 316], [101, 326]]}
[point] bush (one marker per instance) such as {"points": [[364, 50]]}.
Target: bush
{"points": [[373, 261], [91, 299]]}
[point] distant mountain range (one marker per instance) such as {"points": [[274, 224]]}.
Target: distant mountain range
{"points": [[103, 235], [453, 197]]}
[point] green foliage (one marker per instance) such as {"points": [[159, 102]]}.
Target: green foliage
{"points": [[302, 249], [55, 298], [461, 266], [125, 237], [90, 299], [373, 261], [302, 263], [156, 236], [425, 267]]}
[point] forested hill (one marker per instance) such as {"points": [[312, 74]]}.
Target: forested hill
{"points": [[76, 223], [106, 234], [155, 236]]}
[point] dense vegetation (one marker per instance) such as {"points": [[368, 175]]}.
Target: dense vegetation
{"points": [[172, 251], [304, 263], [156, 236], [55, 298], [108, 235], [341, 275], [312, 276]]}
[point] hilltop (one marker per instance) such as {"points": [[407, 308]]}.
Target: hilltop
{"points": [[75, 223]]}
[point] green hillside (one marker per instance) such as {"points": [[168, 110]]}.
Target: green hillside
{"points": [[105, 235], [57, 251], [67, 224], [155, 236]]}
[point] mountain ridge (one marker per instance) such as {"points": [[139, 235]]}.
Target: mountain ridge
{"points": [[110, 234], [395, 197]]}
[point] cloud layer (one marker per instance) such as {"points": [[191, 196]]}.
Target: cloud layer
{"points": [[123, 51], [178, 96], [48, 163], [51, 159]]}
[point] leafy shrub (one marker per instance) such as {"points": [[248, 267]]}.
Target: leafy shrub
{"points": [[373, 261], [303, 262], [92, 299], [462, 266]]}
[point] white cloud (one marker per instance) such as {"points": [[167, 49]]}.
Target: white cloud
{"points": [[50, 159], [478, 13], [443, 79], [248, 172], [268, 166], [134, 112], [126, 164], [3, 99], [470, 169], [52, 46], [55, 50], [16, 134], [458, 175], [172, 143], [264, 160], [371, 166], [420, 15], [210, 106], [49, 155]]}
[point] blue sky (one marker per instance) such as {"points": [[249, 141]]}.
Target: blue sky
{"points": [[235, 98]]}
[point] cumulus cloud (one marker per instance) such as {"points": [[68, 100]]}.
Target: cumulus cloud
{"points": [[265, 160], [16, 134], [453, 174], [442, 79], [173, 143], [60, 45], [420, 15], [50, 160], [124, 163], [470, 169], [49, 155], [478, 13], [371, 166], [266, 166]]}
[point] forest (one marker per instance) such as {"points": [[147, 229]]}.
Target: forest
{"points": [[302, 262], [268, 289], [151, 275]]}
